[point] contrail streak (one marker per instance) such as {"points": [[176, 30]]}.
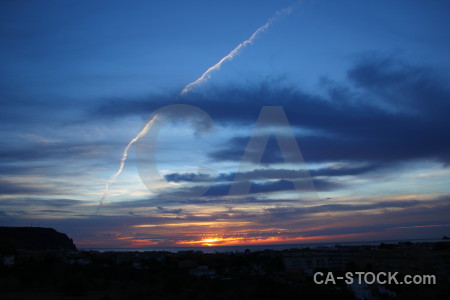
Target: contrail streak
{"points": [[205, 76], [124, 157]]}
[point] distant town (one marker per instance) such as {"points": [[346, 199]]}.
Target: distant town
{"points": [[63, 272]]}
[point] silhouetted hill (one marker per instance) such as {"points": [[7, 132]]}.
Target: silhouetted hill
{"points": [[34, 238]]}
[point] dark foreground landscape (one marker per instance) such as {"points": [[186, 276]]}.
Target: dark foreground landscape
{"points": [[40, 263]]}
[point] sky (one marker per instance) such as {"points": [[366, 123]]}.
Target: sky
{"points": [[331, 126]]}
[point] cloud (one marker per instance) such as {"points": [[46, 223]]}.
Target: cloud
{"points": [[187, 177], [222, 189], [285, 212], [8, 187], [64, 150], [315, 220], [59, 211], [387, 111], [26, 202], [169, 211], [185, 201], [271, 173]]}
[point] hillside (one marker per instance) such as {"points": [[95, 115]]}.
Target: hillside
{"points": [[34, 238]]}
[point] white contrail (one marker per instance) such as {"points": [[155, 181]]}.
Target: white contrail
{"points": [[205, 76], [113, 178], [187, 88]]}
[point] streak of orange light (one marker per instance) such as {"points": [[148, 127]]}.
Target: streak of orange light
{"points": [[143, 242], [242, 241], [211, 241]]}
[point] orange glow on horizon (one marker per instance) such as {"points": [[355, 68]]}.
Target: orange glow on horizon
{"points": [[216, 240], [211, 241], [252, 241]]}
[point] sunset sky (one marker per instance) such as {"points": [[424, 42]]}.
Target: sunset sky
{"points": [[364, 86]]}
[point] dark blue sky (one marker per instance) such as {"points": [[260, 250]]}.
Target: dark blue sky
{"points": [[364, 85]]}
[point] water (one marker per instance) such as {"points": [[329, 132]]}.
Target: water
{"points": [[254, 248]]}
